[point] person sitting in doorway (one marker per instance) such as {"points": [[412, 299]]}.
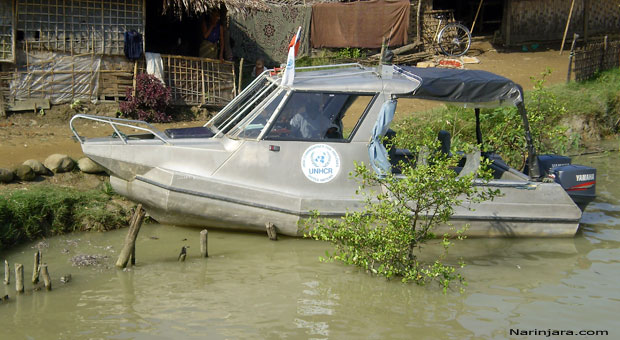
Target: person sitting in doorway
{"points": [[212, 37], [258, 68]]}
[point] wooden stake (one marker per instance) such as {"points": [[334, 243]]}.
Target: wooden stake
{"points": [[419, 23], [473, 24], [240, 74], [204, 250], [570, 14], [46, 277], [7, 273], [130, 239], [183, 254], [37, 267], [271, 231], [19, 278], [570, 57]]}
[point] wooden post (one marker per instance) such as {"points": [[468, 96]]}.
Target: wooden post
{"points": [[46, 277], [37, 268], [135, 75], [240, 75], [382, 54], [183, 254], [570, 57], [2, 109], [19, 278], [508, 10], [570, 14], [271, 231], [7, 273], [204, 250], [418, 22], [473, 24], [130, 239], [586, 19]]}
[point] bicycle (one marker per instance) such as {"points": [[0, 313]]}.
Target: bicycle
{"points": [[453, 39]]}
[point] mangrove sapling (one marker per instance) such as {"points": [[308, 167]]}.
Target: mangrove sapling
{"points": [[400, 215]]}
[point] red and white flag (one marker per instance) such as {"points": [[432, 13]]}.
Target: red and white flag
{"points": [[289, 71]]}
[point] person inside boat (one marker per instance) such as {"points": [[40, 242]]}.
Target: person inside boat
{"points": [[309, 124]]}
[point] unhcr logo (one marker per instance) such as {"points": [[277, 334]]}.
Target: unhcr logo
{"points": [[320, 163]]}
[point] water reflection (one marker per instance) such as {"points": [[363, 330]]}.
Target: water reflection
{"points": [[250, 287]]}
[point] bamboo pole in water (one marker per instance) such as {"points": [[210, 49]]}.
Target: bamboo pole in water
{"points": [[271, 231], [183, 254], [19, 278], [204, 250], [37, 268], [7, 272], [46, 277], [130, 239]]}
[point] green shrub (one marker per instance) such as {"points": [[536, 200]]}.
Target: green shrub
{"points": [[40, 211], [385, 238]]}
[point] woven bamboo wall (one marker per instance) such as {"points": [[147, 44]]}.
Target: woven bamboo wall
{"points": [[6, 31], [604, 16], [545, 20], [78, 26], [594, 58]]}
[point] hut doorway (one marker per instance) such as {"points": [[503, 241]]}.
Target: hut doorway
{"points": [[167, 33], [489, 19]]}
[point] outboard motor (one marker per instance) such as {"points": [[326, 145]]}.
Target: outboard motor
{"points": [[579, 181]]}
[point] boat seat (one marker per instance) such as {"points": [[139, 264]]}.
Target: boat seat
{"points": [[472, 163], [191, 132]]}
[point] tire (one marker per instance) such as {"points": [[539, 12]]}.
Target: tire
{"points": [[454, 39]]}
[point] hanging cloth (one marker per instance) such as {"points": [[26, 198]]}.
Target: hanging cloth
{"points": [[376, 150], [154, 65]]}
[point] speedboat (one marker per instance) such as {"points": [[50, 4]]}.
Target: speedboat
{"points": [[278, 152]]}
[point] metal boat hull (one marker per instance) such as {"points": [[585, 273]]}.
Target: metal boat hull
{"points": [[521, 211]]}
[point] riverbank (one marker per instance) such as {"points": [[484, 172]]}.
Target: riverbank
{"points": [[59, 204]]}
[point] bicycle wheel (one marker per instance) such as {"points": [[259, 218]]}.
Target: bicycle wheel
{"points": [[454, 39]]}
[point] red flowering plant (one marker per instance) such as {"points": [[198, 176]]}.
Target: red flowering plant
{"points": [[150, 102]]}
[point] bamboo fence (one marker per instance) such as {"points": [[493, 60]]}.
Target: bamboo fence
{"points": [[593, 58], [197, 81]]}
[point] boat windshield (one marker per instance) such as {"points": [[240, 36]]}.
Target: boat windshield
{"points": [[243, 105], [255, 122]]}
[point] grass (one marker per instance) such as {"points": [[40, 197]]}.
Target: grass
{"points": [[41, 211], [597, 99]]}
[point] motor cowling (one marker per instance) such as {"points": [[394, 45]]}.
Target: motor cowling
{"points": [[579, 181]]}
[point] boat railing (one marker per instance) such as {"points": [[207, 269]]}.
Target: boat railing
{"points": [[115, 123]]}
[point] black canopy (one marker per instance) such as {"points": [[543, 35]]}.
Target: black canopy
{"points": [[463, 86]]}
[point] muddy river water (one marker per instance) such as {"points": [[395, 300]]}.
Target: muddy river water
{"points": [[253, 288]]}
